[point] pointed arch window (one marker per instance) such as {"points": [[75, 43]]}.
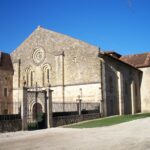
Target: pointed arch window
{"points": [[31, 80], [46, 74], [29, 77]]}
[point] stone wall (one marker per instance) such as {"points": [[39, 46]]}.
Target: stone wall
{"points": [[6, 78], [64, 120], [87, 92], [10, 123], [122, 87], [145, 90]]}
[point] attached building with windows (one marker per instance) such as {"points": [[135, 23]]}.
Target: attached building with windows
{"points": [[6, 87]]}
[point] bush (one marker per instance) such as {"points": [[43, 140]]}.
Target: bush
{"points": [[32, 126]]}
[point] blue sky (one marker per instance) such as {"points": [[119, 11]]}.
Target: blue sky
{"points": [[119, 25]]}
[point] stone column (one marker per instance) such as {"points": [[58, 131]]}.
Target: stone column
{"points": [[49, 108], [133, 98], [16, 84], [103, 89], [59, 59], [16, 77], [24, 109], [101, 109], [120, 93]]}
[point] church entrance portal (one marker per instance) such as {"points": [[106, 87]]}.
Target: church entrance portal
{"points": [[36, 109]]}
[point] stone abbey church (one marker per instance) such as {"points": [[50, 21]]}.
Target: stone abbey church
{"points": [[76, 69]]}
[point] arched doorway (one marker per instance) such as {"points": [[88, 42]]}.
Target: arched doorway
{"points": [[39, 116], [37, 111]]}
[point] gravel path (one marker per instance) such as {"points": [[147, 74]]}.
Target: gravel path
{"points": [[134, 135]]}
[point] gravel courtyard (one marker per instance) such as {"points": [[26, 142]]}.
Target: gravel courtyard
{"points": [[134, 135]]}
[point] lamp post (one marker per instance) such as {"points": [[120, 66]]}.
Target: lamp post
{"points": [[79, 104]]}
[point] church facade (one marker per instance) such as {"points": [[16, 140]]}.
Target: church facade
{"points": [[75, 69]]}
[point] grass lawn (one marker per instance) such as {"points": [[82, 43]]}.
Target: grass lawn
{"points": [[108, 121]]}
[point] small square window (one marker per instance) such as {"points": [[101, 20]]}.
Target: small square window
{"points": [[5, 111]]}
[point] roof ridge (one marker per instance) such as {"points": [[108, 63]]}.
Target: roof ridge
{"points": [[122, 61], [66, 35], [135, 54]]}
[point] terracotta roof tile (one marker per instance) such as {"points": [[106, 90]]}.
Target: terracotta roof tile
{"points": [[138, 60], [118, 59]]}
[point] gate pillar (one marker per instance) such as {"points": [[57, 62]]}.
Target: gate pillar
{"points": [[24, 109], [49, 108]]}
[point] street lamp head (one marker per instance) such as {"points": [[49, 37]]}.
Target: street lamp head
{"points": [[49, 85], [79, 96]]}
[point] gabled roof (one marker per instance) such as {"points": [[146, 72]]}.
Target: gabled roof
{"points": [[56, 42], [137, 60], [5, 62], [118, 59]]}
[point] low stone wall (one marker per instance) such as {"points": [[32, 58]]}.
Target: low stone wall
{"points": [[64, 120], [10, 123]]}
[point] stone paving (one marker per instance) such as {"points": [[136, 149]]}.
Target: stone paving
{"points": [[134, 135]]}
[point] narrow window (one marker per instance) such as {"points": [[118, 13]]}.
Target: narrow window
{"points": [[27, 79], [43, 78], [5, 92], [48, 75], [31, 78]]}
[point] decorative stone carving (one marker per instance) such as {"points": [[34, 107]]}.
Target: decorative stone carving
{"points": [[38, 55]]}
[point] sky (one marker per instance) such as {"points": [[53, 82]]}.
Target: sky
{"points": [[118, 25]]}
